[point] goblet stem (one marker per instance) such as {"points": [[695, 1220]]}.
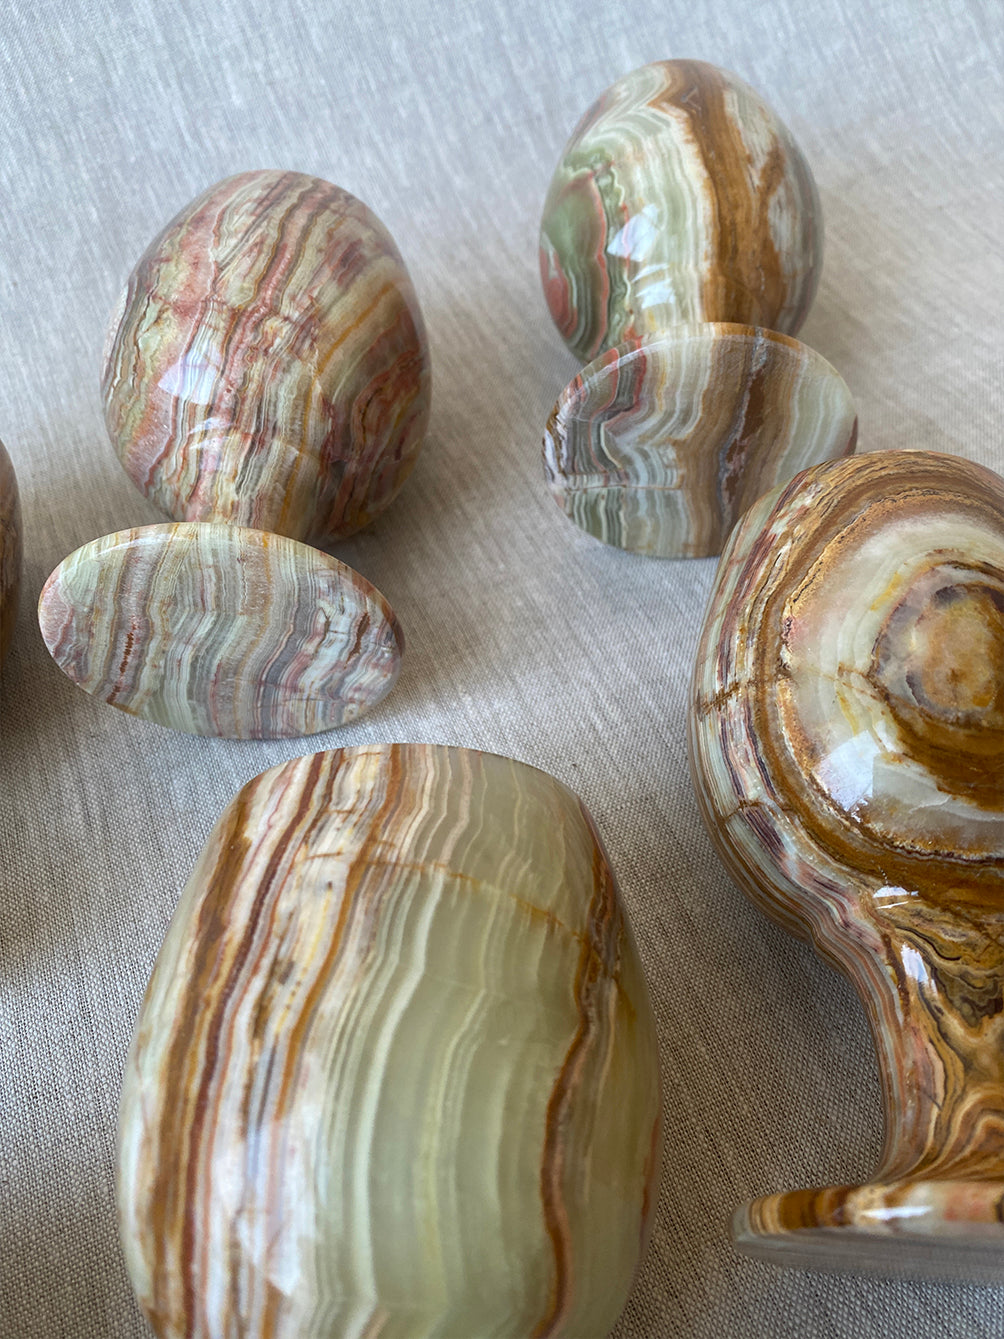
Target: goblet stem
{"points": [[937, 1013], [931, 978]]}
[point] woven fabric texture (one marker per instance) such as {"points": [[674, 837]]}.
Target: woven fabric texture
{"points": [[525, 636]]}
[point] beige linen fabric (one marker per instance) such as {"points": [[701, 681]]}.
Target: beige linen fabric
{"points": [[525, 636]]}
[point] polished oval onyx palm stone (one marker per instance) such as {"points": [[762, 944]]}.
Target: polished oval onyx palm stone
{"points": [[658, 446], [847, 739], [395, 1071], [679, 197], [267, 362], [10, 551], [220, 630]]}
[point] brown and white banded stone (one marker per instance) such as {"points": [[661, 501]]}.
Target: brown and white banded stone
{"points": [[395, 1073], [679, 197], [847, 741], [659, 445], [267, 363], [221, 630]]}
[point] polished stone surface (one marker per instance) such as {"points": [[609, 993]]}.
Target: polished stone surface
{"points": [[679, 197], [523, 636], [396, 1070], [659, 445], [221, 630], [847, 741], [10, 550], [267, 362]]}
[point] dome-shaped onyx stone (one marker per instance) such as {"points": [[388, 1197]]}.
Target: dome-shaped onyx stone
{"points": [[267, 362], [679, 197], [221, 630], [660, 445]]}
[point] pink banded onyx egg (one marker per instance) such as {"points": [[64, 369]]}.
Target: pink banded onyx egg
{"points": [[847, 741], [395, 1072], [679, 197], [267, 363], [10, 551]]}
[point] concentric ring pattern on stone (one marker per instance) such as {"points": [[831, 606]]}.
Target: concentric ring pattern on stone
{"points": [[267, 362], [658, 446], [679, 197], [221, 630], [396, 1068], [847, 739], [850, 686], [10, 551]]}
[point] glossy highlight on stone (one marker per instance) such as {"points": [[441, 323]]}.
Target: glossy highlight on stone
{"points": [[847, 742], [679, 197], [395, 1072], [267, 363], [10, 551], [659, 445], [220, 630]]}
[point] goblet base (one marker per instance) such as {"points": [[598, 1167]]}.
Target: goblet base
{"points": [[913, 1229]]}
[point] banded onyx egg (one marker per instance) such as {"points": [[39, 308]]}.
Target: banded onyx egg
{"points": [[847, 742], [395, 1072], [10, 551], [679, 197], [221, 630], [267, 362]]}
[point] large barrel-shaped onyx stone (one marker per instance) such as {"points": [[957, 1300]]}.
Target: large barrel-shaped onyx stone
{"points": [[395, 1072]]}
